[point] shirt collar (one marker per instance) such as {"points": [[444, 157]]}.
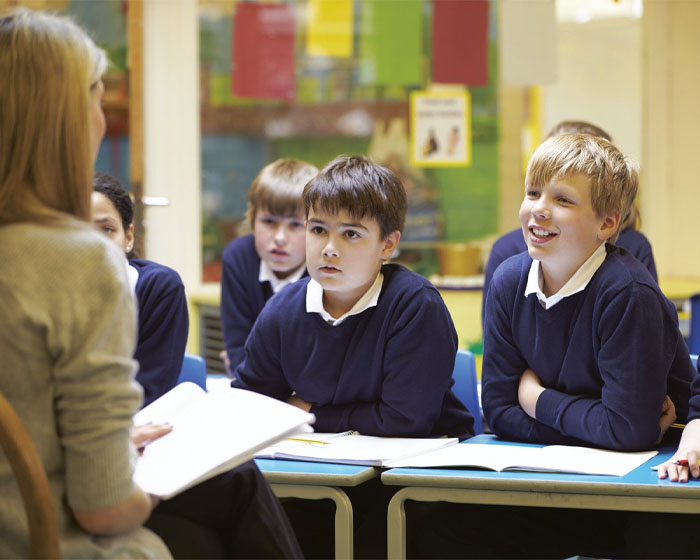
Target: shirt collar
{"points": [[314, 301], [132, 273], [575, 284], [267, 275]]}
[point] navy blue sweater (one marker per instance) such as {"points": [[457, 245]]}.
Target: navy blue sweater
{"points": [[242, 295], [513, 243], [163, 326], [607, 355], [385, 372]]}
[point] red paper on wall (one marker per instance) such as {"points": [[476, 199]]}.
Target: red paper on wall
{"points": [[460, 42], [262, 58]]}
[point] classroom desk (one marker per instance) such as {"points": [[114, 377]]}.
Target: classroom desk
{"points": [[317, 481], [640, 490]]}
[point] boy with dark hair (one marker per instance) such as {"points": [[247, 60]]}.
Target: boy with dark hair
{"points": [[363, 345], [258, 265]]}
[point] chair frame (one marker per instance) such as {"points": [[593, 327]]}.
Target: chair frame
{"points": [[33, 484]]}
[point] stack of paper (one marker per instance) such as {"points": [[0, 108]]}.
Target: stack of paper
{"points": [[352, 448], [212, 433]]}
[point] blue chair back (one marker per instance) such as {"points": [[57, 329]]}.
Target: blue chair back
{"points": [[194, 369], [694, 336], [465, 388]]}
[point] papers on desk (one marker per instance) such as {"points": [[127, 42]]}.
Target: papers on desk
{"points": [[212, 433], [352, 448], [553, 458]]}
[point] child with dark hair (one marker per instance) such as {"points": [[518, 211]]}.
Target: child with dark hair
{"points": [[363, 345], [258, 265], [163, 318]]}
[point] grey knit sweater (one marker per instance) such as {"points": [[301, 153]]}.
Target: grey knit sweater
{"points": [[67, 331]]}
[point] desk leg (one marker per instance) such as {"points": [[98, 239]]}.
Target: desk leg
{"points": [[396, 526], [343, 511]]}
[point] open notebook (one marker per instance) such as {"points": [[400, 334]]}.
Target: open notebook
{"points": [[212, 433], [552, 458], [352, 448]]}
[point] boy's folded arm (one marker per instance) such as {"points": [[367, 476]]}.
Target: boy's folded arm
{"points": [[634, 359], [418, 360], [502, 369]]}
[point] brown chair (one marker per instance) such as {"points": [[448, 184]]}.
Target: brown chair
{"points": [[32, 482]]}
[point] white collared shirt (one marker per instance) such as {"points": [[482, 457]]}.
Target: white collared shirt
{"points": [[575, 284], [314, 301], [267, 275], [132, 273]]}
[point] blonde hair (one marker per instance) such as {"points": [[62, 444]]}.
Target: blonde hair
{"points": [[613, 178], [48, 66], [278, 187]]}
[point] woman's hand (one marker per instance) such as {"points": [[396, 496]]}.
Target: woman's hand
{"points": [[142, 435]]}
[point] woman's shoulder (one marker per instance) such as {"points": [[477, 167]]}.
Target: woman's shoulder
{"points": [[79, 250]]}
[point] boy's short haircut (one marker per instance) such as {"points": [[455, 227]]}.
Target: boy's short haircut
{"points": [[278, 187], [578, 127], [361, 188], [613, 177]]}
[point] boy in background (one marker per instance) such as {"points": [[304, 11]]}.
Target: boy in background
{"points": [[258, 265]]}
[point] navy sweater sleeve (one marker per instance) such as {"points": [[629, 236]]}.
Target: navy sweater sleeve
{"points": [[616, 369], [419, 358], [241, 296], [163, 326], [261, 370], [503, 365], [635, 346]]}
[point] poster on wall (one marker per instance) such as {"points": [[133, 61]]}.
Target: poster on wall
{"points": [[441, 128]]}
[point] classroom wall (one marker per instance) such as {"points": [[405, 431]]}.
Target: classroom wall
{"points": [[670, 115], [171, 137], [671, 121]]}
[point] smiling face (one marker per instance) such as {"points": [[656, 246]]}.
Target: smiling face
{"points": [[344, 255], [280, 241], [108, 220], [561, 228]]}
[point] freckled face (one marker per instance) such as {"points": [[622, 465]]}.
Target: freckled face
{"points": [[561, 228]]}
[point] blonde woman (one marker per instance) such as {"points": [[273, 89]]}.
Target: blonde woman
{"points": [[68, 326]]}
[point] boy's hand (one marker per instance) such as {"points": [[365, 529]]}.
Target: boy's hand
{"points": [[688, 450], [668, 417], [299, 403], [227, 363], [529, 391]]}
